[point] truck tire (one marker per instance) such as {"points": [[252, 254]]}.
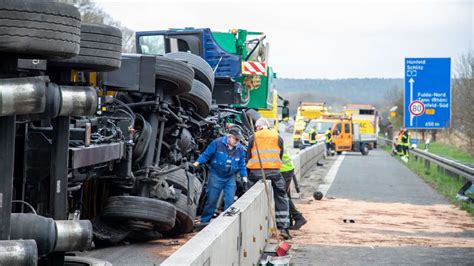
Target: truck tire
{"points": [[185, 216], [122, 208], [199, 97], [39, 29], [179, 180], [364, 149], [172, 76], [101, 48], [202, 70], [339, 152]]}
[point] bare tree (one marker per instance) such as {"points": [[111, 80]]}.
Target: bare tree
{"points": [[463, 98], [91, 13]]}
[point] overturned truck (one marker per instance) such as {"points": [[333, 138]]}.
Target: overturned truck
{"points": [[97, 144]]}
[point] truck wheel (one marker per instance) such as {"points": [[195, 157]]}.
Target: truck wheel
{"points": [[179, 180], [185, 215], [122, 208], [39, 29], [202, 70], [339, 152], [365, 149], [172, 76], [101, 48], [199, 97]]}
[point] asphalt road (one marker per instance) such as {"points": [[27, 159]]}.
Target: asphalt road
{"points": [[379, 178]]}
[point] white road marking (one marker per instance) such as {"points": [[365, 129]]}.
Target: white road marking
{"points": [[331, 175]]}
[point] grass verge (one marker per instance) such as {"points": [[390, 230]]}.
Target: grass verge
{"points": [[451, 152], [446, 185]]}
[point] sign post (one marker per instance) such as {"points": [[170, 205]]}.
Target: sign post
{"points": [[427, 93]]}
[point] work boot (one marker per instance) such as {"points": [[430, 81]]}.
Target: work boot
{"points": [[299, 222], [285, 234]]}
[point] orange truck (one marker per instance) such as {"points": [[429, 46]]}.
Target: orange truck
{"points": [[347, 137], [367, 117]]}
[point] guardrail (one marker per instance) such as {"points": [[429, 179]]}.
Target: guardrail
{"points": [[446, 164]]}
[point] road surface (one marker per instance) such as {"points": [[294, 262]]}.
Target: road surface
{"points": [[377, 211]]}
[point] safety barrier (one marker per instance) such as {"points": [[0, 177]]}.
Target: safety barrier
{"points": [[239, 238], [236, 237], [446, 164], [307, 158]]}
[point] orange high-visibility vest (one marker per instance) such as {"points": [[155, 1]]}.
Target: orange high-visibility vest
{"points": [[268, 148]]}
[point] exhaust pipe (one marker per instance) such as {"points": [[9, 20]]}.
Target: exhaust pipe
{"points": [[37, 98], [78, 100], [21, 96], [51, 235], [73, 235], [18, 252]]}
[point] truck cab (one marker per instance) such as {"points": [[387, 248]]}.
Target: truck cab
{"points": [[304, 114], [320, 125], [347, 137], [239, 59]]}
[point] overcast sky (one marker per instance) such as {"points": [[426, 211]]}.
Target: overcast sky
{"points": [[322, 39]]}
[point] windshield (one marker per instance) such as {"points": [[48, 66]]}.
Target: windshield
{"points": [[152, 44], [320, 126]]}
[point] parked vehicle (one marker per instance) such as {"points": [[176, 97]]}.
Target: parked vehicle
{"points": [[320, 125], [347, 137], [306, 112], [367, 117]]}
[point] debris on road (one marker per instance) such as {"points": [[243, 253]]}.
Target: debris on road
{"points": [[384, 224]]}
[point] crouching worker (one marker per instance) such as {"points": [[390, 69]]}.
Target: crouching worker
{"points": [[227, 157]]}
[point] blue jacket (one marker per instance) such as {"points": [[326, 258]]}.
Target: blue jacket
{"points": [[224, 163]]}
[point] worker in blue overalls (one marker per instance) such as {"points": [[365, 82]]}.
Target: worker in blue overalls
{"points": [[227, 157]]}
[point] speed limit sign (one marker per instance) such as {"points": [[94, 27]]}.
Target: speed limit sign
{"points": [[416, 108]]}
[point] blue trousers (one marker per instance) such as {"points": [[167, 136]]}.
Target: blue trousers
{"points": [[214, 187]]}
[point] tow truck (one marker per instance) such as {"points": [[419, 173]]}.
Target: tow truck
{"points": [[239, 59]]}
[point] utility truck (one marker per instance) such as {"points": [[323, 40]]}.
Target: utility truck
{"points": [[367, 117], [320, 125], [347, 137]]}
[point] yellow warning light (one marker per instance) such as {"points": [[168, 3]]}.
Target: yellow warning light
{"points": [[104, 109], [430, 111], [233, 31]]}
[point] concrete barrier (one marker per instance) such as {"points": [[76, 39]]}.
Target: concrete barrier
{"points": [[237, 239], [307, 158]]}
